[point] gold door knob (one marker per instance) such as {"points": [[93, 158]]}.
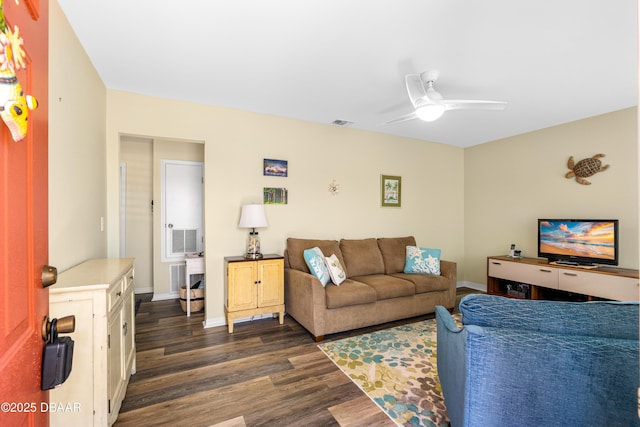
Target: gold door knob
{"points": [[65, 325]]}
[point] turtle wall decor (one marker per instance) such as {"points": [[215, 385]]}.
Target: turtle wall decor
{"points": [[584, 168]]}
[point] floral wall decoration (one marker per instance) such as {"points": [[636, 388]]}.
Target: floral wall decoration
{"points": [[14, 104], [334, 188]]}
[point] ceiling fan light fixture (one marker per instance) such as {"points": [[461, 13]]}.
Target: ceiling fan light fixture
{"points": [[430, 112]]}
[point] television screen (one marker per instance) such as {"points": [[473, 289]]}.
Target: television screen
{"points": [[578, 241]]}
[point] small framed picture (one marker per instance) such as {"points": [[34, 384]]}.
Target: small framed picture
{"points": [[391, 190], [275, 196], [272, 167]]}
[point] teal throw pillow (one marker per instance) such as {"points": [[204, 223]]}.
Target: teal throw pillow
{"points": [[422, 260], [315, 261]]}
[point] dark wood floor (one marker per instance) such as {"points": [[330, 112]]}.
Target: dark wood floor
{"points": [[264, 374]]}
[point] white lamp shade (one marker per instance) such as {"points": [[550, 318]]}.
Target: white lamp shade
{"points": [[252, 216]]}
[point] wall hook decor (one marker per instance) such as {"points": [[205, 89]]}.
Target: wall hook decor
{"points": [[334, 187], [585, 168]]}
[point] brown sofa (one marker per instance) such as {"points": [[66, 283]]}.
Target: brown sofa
{"points": [[376, 289]]}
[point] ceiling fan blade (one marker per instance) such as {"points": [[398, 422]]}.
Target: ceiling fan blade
{"points": [[466, 104], [401, 119], [415, 88]]}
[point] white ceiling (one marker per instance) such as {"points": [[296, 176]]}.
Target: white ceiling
{"points": [[553, 61]]}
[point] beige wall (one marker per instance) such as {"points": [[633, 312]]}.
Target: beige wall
{"points": [[236, 142], [136, 154], [511, 182], [77, 168]]}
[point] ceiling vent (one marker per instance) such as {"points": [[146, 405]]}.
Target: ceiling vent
{"points": [[339, 122]]}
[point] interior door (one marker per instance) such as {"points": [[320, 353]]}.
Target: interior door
{"points": [[23, 219], [182, 207]]}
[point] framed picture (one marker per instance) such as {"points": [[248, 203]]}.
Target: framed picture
{"points": [[391, 190], [272, 167], [275, 196]]}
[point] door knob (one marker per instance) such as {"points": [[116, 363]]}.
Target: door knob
{"points": [[66, 325], [49, 276]]}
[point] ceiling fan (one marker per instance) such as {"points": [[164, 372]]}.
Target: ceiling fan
{"points": [[429, 104]]}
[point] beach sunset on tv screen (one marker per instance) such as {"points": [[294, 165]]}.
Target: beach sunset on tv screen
{"points": [[591, 239]]}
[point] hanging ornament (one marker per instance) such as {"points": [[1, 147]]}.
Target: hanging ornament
{"points": [[14, 104]]}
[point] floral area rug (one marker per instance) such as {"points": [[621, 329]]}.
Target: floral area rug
{"points": [[396, 368]]}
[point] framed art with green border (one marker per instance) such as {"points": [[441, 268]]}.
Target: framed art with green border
{"points": [[391, 191]]}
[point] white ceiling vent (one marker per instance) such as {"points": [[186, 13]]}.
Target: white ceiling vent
{"points": [[339, 122]]}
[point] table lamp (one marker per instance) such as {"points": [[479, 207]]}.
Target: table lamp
{"points": [[253, 217]]}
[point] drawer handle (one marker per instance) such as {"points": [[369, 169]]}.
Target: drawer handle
{"points": [[496, 263], [545, 270], [571, 274], [118, 293]]}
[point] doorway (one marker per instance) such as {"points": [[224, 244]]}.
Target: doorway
{"points": [[142, 225]]}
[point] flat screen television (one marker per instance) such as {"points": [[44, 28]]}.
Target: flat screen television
{"points": [[578, 241]]}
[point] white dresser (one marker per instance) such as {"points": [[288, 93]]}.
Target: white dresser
{"points": [[99, 293]]}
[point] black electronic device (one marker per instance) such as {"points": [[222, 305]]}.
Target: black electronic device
{"points": [[579, 242], [57, 359]]}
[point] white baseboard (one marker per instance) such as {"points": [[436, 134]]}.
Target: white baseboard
{"points": [[170, 295], [217, 321], [472, 285]]}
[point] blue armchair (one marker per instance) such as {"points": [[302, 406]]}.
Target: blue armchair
{"points": [[539, 363]]}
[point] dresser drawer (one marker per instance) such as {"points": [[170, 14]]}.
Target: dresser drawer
{"points": [[599, 285], [128, 280], [525, 273], [115, 293]]}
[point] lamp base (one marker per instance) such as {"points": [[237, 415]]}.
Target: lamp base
{"points": [[253, 256], [253, 246]]}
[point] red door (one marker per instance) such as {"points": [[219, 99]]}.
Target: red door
{"points": [[23, 218]]}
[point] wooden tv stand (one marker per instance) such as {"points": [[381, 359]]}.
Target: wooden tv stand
{"points": [[549, 281]]}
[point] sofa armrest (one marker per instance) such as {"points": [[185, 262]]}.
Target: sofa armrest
{"points": [[305, 300], [449, 269], [451, 364]]}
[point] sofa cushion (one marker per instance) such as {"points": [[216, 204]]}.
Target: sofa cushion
{"points": [[361, 257], [426, 282], [336, 271], [422, 260], [349, 293], [387, 286], [314, 259], [296, 248], [393, 251]]}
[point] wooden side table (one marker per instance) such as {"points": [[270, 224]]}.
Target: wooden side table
{"points": [[253, 287], [194, 264]]}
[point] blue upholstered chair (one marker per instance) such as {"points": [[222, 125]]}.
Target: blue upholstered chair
{"points": [[539, 363]]}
